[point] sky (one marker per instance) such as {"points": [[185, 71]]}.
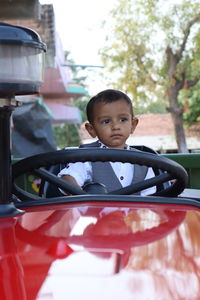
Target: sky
{"points": [[78, 23]]}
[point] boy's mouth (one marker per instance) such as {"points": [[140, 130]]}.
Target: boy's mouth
{"points": [[116, 136]]}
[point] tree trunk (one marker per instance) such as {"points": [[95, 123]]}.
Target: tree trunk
{"points": [[177, 113]]}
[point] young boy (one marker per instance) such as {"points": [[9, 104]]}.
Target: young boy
{"points": [[111, 120]]}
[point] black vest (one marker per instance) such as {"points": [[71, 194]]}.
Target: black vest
{"points": [[102, 172]]}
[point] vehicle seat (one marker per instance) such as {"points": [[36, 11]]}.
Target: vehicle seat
{"points": [[49, 190]]}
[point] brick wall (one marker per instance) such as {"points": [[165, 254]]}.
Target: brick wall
{"points": [[45, 27]]}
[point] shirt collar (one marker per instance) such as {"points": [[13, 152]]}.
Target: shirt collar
{"points": [[127, 147]]}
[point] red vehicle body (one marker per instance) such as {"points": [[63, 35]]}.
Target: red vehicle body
{"points": [[100, 246], [101, 250]]}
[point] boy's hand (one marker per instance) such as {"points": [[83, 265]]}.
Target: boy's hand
{"points": [[71, 180]]}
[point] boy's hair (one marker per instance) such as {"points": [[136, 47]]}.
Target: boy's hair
{"points": [[107, 96]]}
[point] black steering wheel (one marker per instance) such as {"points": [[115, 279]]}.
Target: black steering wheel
{"points": [[171, 170]]}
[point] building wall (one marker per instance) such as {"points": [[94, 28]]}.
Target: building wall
{"points": [[44, 25], [56, 76]]}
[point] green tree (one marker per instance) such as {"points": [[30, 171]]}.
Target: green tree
{"points": [[76, 76], [79, 77], [152, 107], [66, 135], [81, 103], [153, 47], [191, 102]]}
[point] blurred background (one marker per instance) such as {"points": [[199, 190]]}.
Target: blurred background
{"points": [[148, 49]]}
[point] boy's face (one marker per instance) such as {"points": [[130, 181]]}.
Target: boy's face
{"points": [[112, 123]]}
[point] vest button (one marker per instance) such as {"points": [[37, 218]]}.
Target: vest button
{"points": [[121, 177]]}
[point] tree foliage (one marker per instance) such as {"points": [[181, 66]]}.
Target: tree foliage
{"points": [[153, 47], [66, 135], [191, 100]]}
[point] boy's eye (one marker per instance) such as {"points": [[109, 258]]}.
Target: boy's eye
{"points": [[123, 119], [106, 121]]}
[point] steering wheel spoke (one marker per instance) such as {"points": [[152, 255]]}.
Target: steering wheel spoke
{"points": [[59, 182], [139, 186]]}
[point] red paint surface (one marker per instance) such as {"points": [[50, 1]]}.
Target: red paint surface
{"points": [[136, 252]]}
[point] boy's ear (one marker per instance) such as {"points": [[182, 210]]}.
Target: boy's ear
{"points": [[134, 124], [90, 129]]}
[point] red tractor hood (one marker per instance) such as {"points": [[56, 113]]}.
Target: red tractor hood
{"points": [[100, 251]]}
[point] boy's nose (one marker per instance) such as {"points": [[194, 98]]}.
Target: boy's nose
{"points": [[115, 125]]}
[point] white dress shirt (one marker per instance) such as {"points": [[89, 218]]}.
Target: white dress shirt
{"points": [[82, 172]]}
